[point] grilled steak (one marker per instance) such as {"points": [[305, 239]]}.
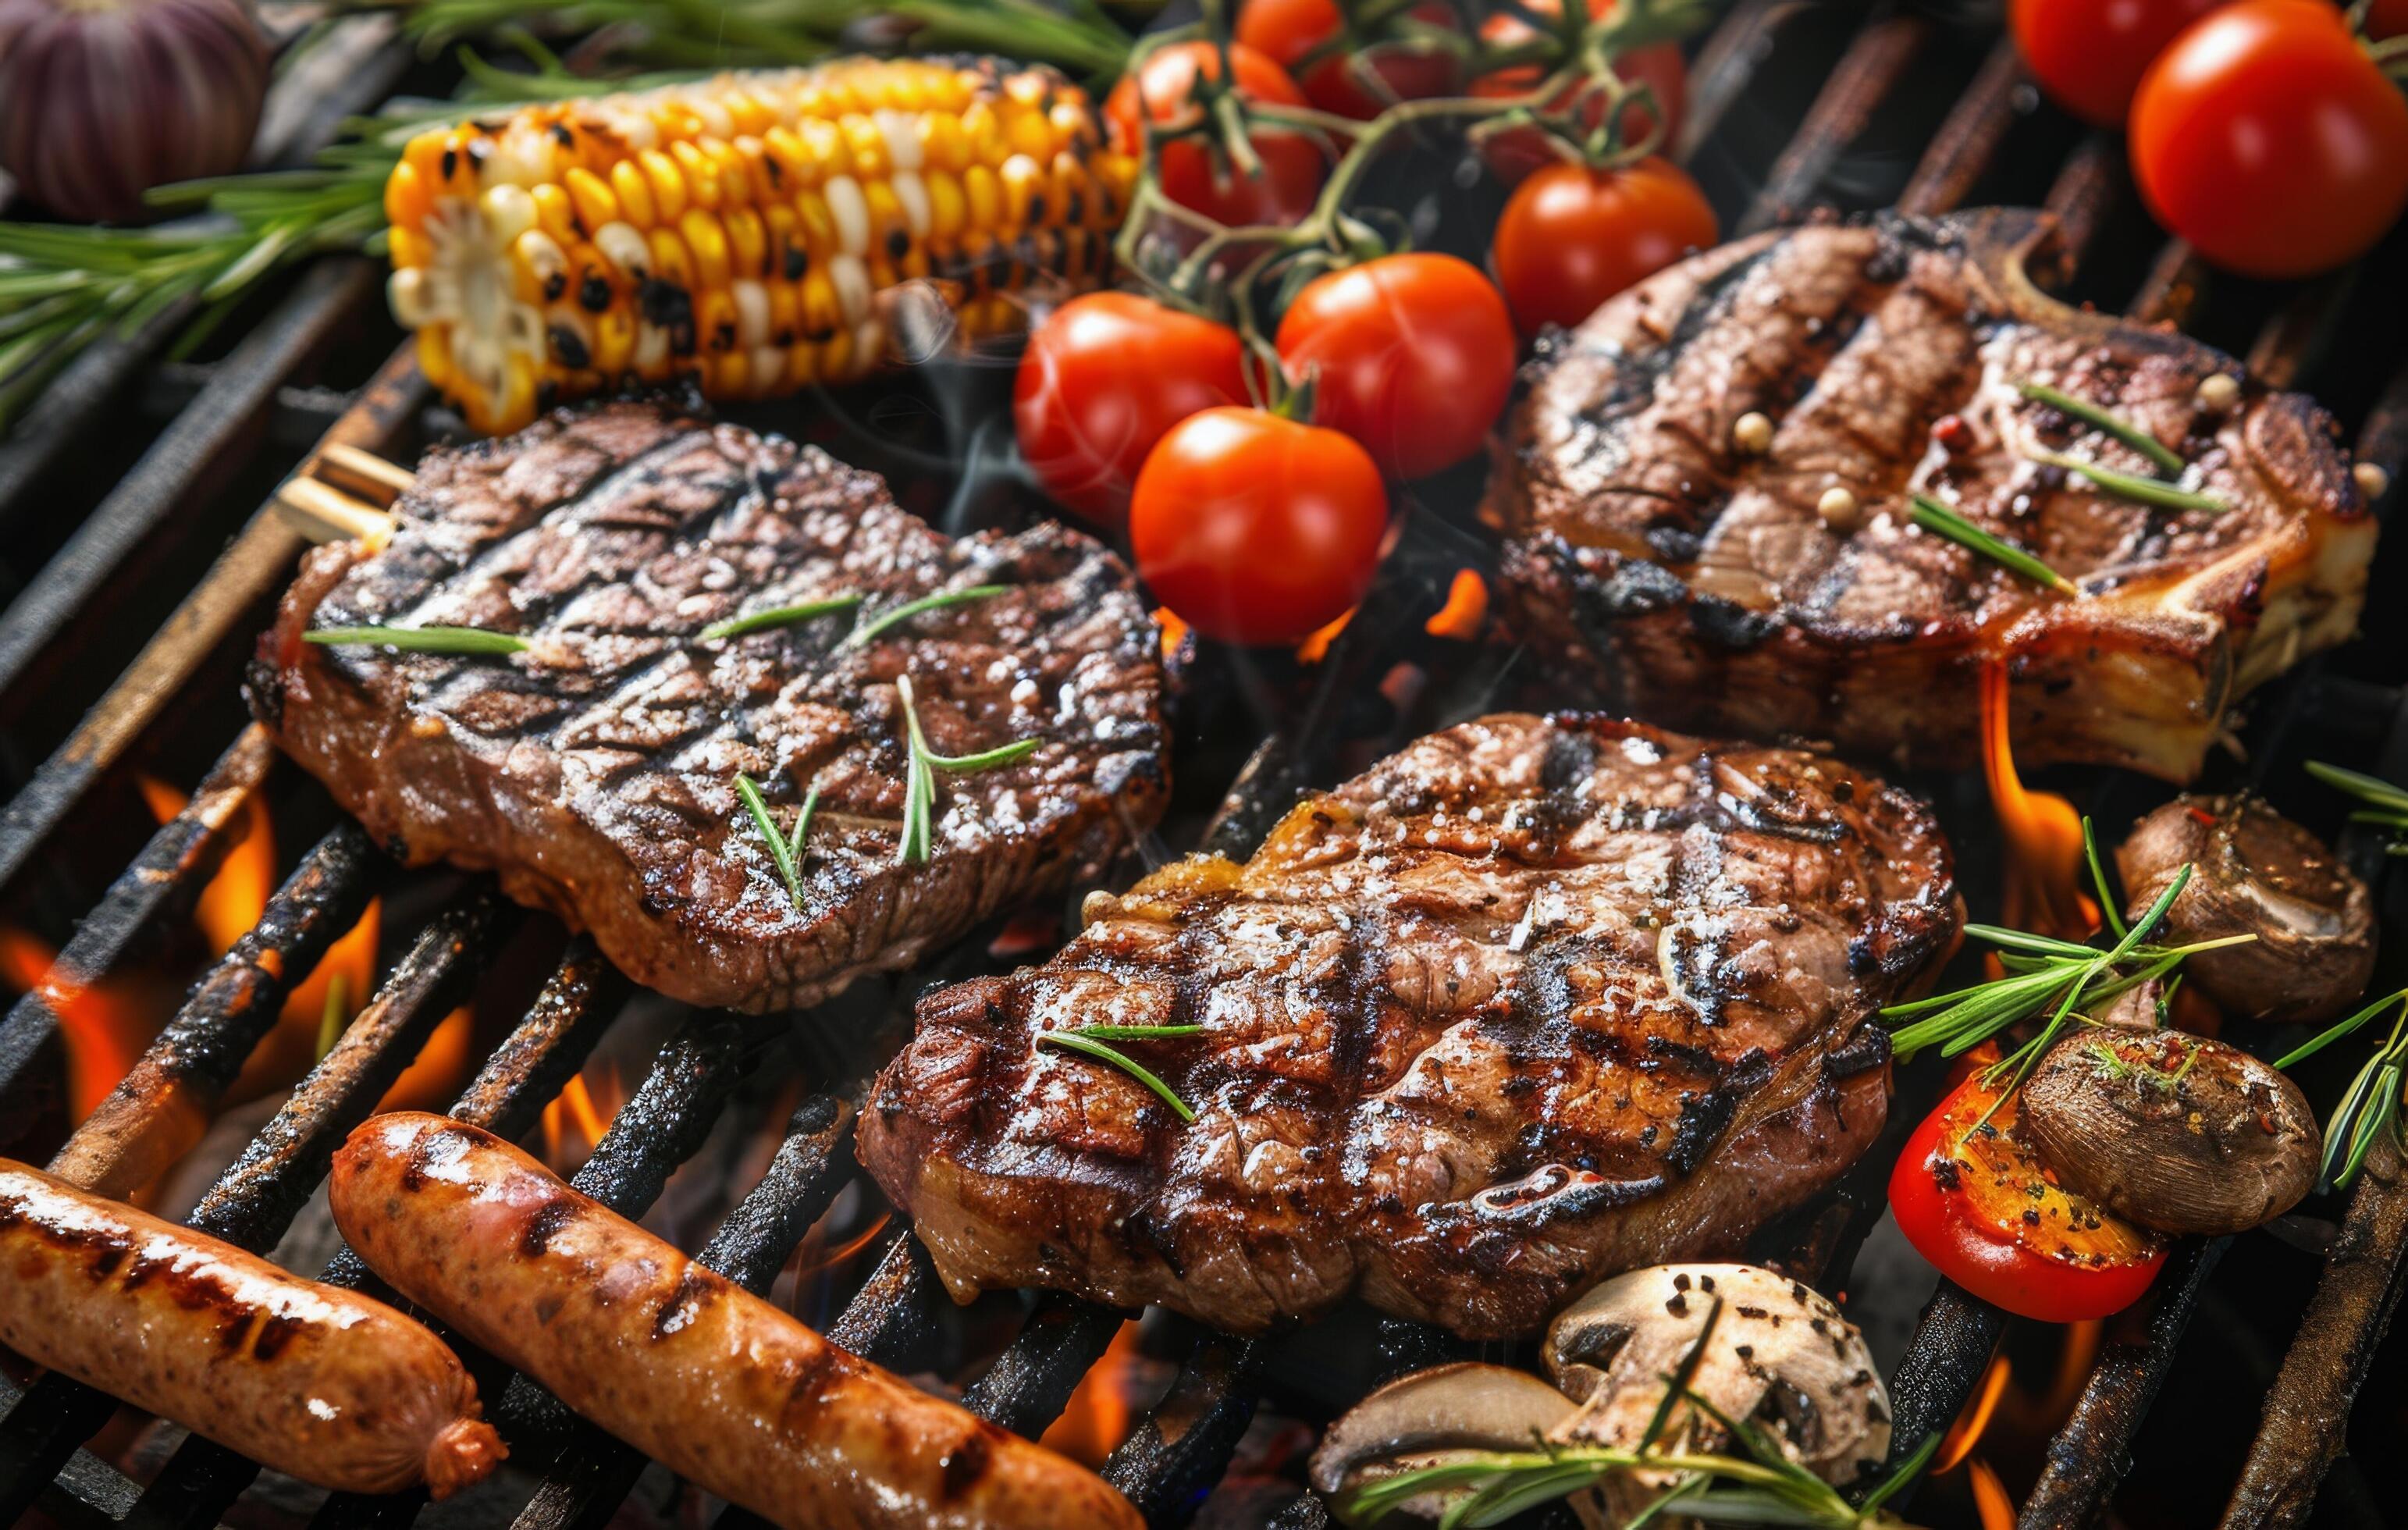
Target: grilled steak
{"points": [[1692, 581], [1533, 1002], [596, 772]]}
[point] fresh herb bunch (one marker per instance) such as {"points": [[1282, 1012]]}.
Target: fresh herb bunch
{"points": [[1764, 1486], [2386, 805], [2372, 1100], [2045, 976]]}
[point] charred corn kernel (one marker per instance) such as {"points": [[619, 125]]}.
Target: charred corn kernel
{"points": [[738, 230], [634, 194], [555, 213], [706, 240]]}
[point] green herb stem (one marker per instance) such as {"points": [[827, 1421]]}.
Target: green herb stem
{"points": [[782, 616], [2127, 486], [920, 775], [781, 853], [421, 640], [862, 635], [1934, 517], [2167, 460], [1078, 1041]]}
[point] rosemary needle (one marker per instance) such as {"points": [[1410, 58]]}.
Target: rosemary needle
{"points": [[2127, 486], [782, 616], [422, 639], [780, 853], [1934, 517], [1082, 1042], [911, 609], [2166, 457]]}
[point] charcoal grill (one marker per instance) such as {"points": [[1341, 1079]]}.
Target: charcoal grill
{"points": [[1794, 109]]}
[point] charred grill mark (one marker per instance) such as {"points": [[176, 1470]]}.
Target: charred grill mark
{"points": [[967, 1465], [694, 1291], [429, 1146], [535, 1236]]}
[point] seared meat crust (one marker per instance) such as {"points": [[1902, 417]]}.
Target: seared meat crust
{"points": [[595, 773], [1688, 581], [1533, 1002]]}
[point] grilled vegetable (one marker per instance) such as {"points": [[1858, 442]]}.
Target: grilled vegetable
{"points": [[101, 100], [739, 231]]}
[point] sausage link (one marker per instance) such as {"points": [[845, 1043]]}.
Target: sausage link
{"points": [[692, 1370], [322, 1384]]}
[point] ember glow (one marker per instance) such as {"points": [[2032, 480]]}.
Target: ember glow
{"points": [[1465, 610], [2042, 832], [1316, 648]]}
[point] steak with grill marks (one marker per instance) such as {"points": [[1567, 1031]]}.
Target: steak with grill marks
{"points": [[595, 771], [1689, 580], [1533, 1002]]}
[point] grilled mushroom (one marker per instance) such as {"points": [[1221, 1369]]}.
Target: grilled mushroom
{"points": [[2256, 873], [1430, 1417], [1781, 1354], [2171, 1130]]}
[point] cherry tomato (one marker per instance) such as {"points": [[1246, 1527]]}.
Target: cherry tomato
{"points": [[1987, 1214], [1571, 236], [2268, 139], [1410, 355], [1256, 529], [1287, 30], [2089, 54], [1197, 176], [1657, 65], [1102, 378]]}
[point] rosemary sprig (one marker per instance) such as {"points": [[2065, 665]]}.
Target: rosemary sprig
{"points": [[2127, 486], [1934, 517], [785, 851], [1092, 1040], [422, 639], [2386, 805], [1761, 1486], [2372, 1100], [920, 775], [780, 616], [861, 636], [2167, 460]]}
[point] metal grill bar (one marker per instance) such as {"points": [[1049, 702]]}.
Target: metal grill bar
{"points": [[1031, 1382], [1861, 80], [1183, 1447], [159, 1110], [157, 889]]}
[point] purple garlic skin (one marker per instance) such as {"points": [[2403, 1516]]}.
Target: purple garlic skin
{"points": [[101, 100]]}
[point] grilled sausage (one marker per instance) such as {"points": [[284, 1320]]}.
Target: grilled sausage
{"points": [[691, 1369], [325, 1385]]}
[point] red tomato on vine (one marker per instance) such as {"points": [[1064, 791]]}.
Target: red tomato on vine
{"points": [[1103, 379], [1201, 177], [1287, 30], [1412, 355], [2089, 54], [2267, 137], [1257, 529], [1570, 236]]}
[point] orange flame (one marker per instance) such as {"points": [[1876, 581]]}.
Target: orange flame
{"points": [[103, 1027], [1973, 1417], [808, 1264], [1174, 633], [587, 1105], [2043, 831], [1316, 648], [1096, 1420], [1990, 1498], [235, 898], [1466, 609]]}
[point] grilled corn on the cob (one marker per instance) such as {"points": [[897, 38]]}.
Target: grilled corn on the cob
{"points": [[740, 230]]}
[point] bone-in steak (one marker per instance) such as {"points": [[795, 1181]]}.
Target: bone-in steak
{"points": [[1694, 582], [1535, 1001], [595, 771]]}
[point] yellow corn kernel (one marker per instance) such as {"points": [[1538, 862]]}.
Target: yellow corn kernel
{"points": [[1023, 190], [734, 185], [670, 262], [555, 213], [785, 313], [542, 266], [714, 321], [410, 249], [634, 192], [434, 355], [823, 313], [788, 256], [817, 224], [1029, 133], [941, 144], [726, 377], [614, 338], [701, 176], [984, 129], [747, 242], [947, 211], [407, 200], [797, 166], [983, 190], [662, 175], [868, 146], [706, 242]]}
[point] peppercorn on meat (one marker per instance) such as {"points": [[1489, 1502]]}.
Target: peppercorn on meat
{"points": [[739, 231]]}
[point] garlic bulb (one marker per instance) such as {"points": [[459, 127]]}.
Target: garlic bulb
{"points": [[101, 100]]}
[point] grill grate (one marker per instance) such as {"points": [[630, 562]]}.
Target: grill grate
{"points": [[1181, 1448]]}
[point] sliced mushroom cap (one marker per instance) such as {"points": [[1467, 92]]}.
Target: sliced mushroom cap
{"points": [[2256, 873], [1781, 1353], [2172, 1130], [1428, 1418]]}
